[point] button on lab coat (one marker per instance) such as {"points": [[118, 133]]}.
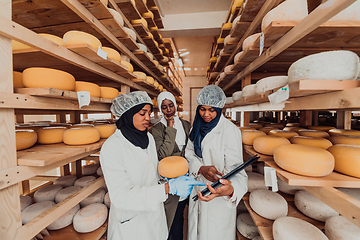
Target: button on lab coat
{"points": [[222, 148], [131, 176]]}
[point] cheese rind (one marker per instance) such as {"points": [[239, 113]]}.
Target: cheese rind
{"points": [[25, 201], [90, 169], [311, 141], [53, 38], [47, 193], [93, 88], [249, 90], [106, 130], [249, 41], [283, 133], [347, 140], [248, 136], [35, 210], [108, 92], [95, 197], [267, 144], [117, 16], [64, 193], [65, 220], [81, 136], [17, 80], [107, 201], [347, 159], [246, 226], [140, 75], [25, 138], [334, 132], [313, 133], [78, 37], [84, 181], [173, 166], [237, 95], [112, 53], [340, 228], [50, 135], [90, 217], [66, 181], [270, 83], [131, 33], [255, 181]]}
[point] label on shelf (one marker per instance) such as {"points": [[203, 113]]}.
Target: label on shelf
{"points": [[83, 98], [101, 53], [262, 42], [280, 95], [270, 178]]}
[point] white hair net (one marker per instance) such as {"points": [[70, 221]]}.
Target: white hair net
{"points": [[212, 96], [125, 101]]}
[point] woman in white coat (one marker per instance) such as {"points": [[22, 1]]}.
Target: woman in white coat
{"points": [[129, 163], [214, 149]]}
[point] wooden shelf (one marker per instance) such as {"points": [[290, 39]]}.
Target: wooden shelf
{"points": [[145, 84], [142, 56], [150, 21], [250, 150], [128, 9], [224, 32], [140, 29]]}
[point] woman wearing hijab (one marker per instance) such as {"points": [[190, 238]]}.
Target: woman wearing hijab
{"points": [[171, 135], [214, 149], [129, 163]]}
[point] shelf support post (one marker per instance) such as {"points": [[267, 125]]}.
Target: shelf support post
{"points": [[343, 119]]}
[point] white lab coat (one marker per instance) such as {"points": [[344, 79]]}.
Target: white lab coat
{"points": [[131, 176], [222, 148]]}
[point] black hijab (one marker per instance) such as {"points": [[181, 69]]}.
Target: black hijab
{"points": [[126, 126], [201, 128]]}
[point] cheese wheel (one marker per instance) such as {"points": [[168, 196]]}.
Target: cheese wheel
{"points": [[156, 84], [38, 77], [25, 201], [90, 169], [304, 160], [156, 63], [150, 79], [347, 140], [347, 132], [268, 204], [292, 124], [270, 83], [230, 39], [65, 220], [141, 21], [148, 14], [53, 38], [249, 41], [249, 90], [140, 75], [95, 197], [291, 228], [17, 80], [293, 129], [246, 128], [112, 53], [78, 37], [83, 125], [129, 66], [333, 65], [220, 40], [228, 68], [64, 193], [47, 193], [142, 48], [350, 13], [286, 188], [283, 133], [81, 136], [106, 130], [108, 92], [237, 95], [107, 201], [50, 135], [237, 56], [213, 59], [255, 181], [347, 159], [227, 25], [173, 166], [118, 18], [18, 45], [321, 128], [93, 88], [222, 75], [312, 207], [276, 125], [161, 87], [99, 172], [290, 10], [84, 181], [150, 56], [267, 144], [236, 4], [340, 228], [66, 181], [313, 133], [267, 129], [229, 100], [131, 33], [311, 141], [246, 226], [90, 218], [25, 138], [35, 210], [255, 125], [248, 136], [236, 20]]}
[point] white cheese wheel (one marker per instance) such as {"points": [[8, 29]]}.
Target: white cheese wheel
{"points": [[230, 39], [141, 21], [107, 200], [78, 37], [118, 18], [228, 68], [312, 207], [84, 181], [267, 144], [350, 13], [229, 100], [352, 192], [131, 33], [93, 88], [340, 228], [347, 159], [237, 56], [106, 130], [99, 171], [129, 66], [334, 132], [95, 197], [141, 48], [249, 90], [112, 53], [286, 188], [25, 201], [17, 80], [321, 128], [65, 220], [249, 41], [291, 228], [90, 218], [237, 95], [47, 193], [246, 226], [222, 75], [53, 38], [64, 193], [268, 204], [304, 160], [140, 75], [332, 65], [270, 83], [66, 181], [313, 133], [283, 133], [90, 169], [347, 140], [248, 136], [35, 210], [81, 136], [311, 141], [38, 77], [255, 181], [25, 138], [236, 20], [50, 135], [221, 53], [267, 129], [108, 92], [289, 10]]}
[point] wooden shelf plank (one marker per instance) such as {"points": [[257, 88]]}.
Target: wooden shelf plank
{"points": [[112, 25], [141, 6], [145, 84], [224, 32], [140, 29], [97, 8], [129, 43], [142, 56], [250, 10], [250, 150], [128, 9], [150, 21], [266, 233], [239, 29], [159, 23]]}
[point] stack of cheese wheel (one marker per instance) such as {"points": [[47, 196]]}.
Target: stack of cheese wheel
{"points": [[283, 133], [267, 144], [249, 41], [50, 135], [65, 220], [25, 138], [66, 181], [81, 135], [25, 201], [17, 80], [267, 129], [112, 53], [78, 37], [89, 218], [95, 197], [84, 181], [173, 167], [347, 140], [347, 159], [340, 228], [140, 75], [47, 193], [131, 33], [108, 92], [53, 38], [286, 188], [106, 130], [38, 77], [334, 132], [321, 128], [248, 136], [311, 141], [64, 193], [293, 129], [35, 210], [270, 83], [313, 133], [117, 16], [255, 181], [246, 226], [93, 88], [90, 169], [304, 160]]}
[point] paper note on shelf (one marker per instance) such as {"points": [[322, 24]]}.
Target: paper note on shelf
{"points": [[280, 95], [101, 53], [270, 178], [83, 98], [262, 42]]}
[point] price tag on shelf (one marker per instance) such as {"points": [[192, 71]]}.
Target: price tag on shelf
{"points": [[101, 53], [280, 95], [270, 178], [262, 42], [83, 98]]}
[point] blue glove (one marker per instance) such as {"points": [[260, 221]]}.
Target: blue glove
{"points": [[183, 185]]}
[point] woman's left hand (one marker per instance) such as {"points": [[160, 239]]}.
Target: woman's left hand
{"points": [[226, 189]]}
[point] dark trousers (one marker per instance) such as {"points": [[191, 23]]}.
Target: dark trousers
{"points": [[176, 231]]}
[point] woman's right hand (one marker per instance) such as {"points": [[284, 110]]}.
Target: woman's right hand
{"points": [[170, 121], [209, 173]]}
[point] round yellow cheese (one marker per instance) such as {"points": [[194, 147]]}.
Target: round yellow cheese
{"points": [[118, 18], [81, 136], [313, 133], [227, 25], [321, 128], [347, 159], [112, 53], [50, 135], [156, 84], [84, 124], [161, 87], [106, 130], [78, 37], [150, 35], [150, 79], [213, 59], [267, 144], [17, 80], [347, 140], [140, 75], [293, 129], [148, 14], [18, 45], [255, 125], [38, 77], [220, 40], [248, 136], [311, 141], [237, 3], [141, 21], [283, 133], [292, 125], [108, 92], [246, 128], [267, 129], [156, 63], [304, 160], [53, 38], [344, 132], [173, 167], [129, 67], [25, 138], [93, 88], [131, 33]]}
